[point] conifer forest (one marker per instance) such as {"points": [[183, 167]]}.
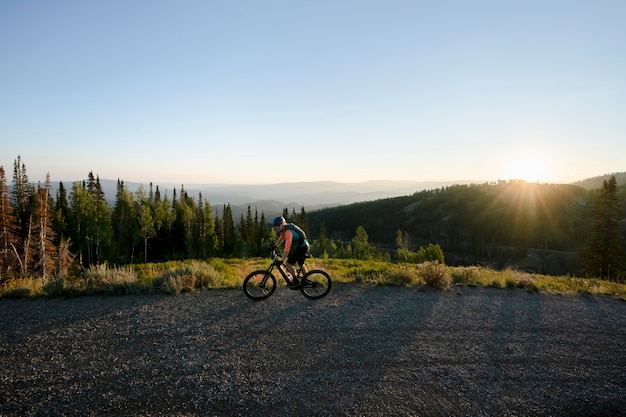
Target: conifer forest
{"points": [[547, 228]]}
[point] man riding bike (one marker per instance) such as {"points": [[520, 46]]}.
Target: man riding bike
{"points": [[295, 249]]}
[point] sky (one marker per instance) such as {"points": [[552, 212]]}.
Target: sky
{"points": [[261, 92]]}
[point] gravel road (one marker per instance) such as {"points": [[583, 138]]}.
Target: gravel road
{"points": [[361, 351]]}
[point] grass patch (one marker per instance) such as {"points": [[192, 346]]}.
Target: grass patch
{"points": [[177, 277]]}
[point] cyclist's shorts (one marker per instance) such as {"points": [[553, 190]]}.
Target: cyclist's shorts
{"points": [[298, 255]]}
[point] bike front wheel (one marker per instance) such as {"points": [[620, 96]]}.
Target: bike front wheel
{"points": [[259, 285], [315, 284]]}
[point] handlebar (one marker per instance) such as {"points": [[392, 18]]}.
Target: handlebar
{"points": [[273, 255]]}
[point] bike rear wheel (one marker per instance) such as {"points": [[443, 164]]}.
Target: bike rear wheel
{"points": [[259, 285], [315, 284]]}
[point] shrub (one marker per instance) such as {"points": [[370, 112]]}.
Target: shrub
{"points": [[101, 278], [191, 275], [512, 278], [525, 280], [54, 287], [18, 293], [21, 287], [470, 275], [400, 277], [435, 274], [360, 277], [206, 275], [175, 284]]}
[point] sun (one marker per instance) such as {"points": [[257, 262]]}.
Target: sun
{"points": [[530, 168]]}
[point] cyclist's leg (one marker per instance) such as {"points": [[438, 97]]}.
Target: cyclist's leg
{"points": [[302, 251], [297, 257], [291, 261]]}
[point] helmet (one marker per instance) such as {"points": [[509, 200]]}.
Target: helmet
{"points": [[278, 221]]}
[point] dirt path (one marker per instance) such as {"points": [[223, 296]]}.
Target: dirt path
{"points": [[362, 351]]}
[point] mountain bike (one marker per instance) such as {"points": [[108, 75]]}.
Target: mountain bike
{"points": [[259, 285]]}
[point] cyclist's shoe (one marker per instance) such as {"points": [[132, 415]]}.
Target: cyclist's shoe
{"points": [[294, 284]]}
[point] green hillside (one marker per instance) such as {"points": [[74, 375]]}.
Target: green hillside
{"points": [[541, 227], [596, 182]]}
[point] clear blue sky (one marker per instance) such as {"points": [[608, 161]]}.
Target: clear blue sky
{"points": [[283, 91]]}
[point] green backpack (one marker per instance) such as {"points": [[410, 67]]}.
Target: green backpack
{"points": [[299, 234]]}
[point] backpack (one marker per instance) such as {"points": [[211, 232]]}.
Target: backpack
{"points": [[299, 234]]}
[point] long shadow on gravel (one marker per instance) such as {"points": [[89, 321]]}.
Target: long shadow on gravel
{"points": [[367, 329], [24, 318], [360, 351]]}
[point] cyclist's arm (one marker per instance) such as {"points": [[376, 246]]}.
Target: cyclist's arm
{"points": [[288, 236]]}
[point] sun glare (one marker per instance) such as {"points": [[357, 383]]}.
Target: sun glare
{"points": [[530, 168]]}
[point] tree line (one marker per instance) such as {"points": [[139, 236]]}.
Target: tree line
{"points": [[488, 224], [569, 229], [43, 235]]}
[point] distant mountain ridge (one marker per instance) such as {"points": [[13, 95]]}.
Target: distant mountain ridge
{"points": [[273, 198], [597, 182], [303, 193]]}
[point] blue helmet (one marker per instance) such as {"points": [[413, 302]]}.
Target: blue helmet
{"points": [[278, 221]]}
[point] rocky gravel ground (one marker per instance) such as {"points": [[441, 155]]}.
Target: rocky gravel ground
{"points": [[361, 351]]}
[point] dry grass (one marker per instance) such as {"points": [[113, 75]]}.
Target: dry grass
{"points": [[187, 276]]}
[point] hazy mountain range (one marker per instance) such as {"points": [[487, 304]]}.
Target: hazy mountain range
{"points": [[271, 199]]}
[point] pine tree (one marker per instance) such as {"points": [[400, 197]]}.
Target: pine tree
{"points": [[61, 227], [402, 250], [165, 216], [80, 205], [22, 194], [360, 244], [45, 250], [321, 246], [185, 225], [604, 254], [8, 221], [249, 226], [157, 194], [145, 218], [122, 220], [206, 233], [146, 227], [228, 243], [61, 214], [264, 233], [301, 220], [99, 231]]}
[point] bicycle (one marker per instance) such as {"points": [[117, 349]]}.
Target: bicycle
{"points": [[259, 285]]}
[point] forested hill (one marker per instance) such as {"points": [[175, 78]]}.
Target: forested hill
{"points": [[596, 182], [472, 223]]}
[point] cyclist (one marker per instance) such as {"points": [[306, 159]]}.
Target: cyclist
{"points": [[295, 250]]}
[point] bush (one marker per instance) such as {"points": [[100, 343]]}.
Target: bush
{"points": [[102, 279], [54, 287], [18, 293], [470, 275], [435, 274], [189, 276], [176, 284], [512, 278], [21, 287], [400, 277]]}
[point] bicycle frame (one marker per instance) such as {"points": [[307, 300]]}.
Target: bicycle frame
{"points": [[260, 284], [281, 268]]}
